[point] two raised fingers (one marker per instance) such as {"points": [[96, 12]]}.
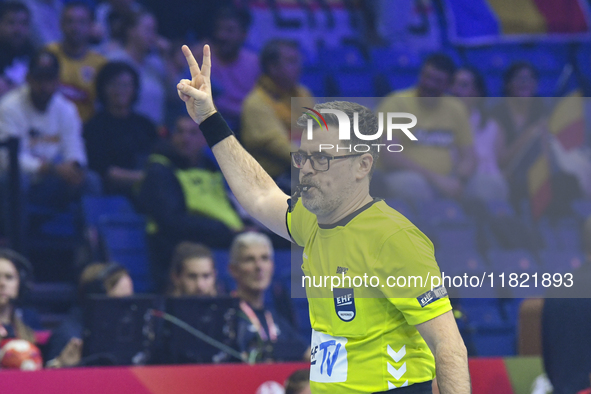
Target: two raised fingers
{"points": [[193, 66]]}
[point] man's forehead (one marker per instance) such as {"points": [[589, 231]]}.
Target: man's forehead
{"points": [[320, 136]]}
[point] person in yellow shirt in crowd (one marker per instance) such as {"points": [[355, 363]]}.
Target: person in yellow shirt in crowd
{"points": [[79, 64], [442, 159], [266, 111]]}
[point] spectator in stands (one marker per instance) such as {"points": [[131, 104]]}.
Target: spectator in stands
{"points": [[565, 329], [64, 348], [15, 45], [141, 50], [184, 197], [237, 68], [45, 20], [52, 156], [442, 160], [523, 122], [119, 140], [192, 271], [111, 11], [487, 183], [298, 382], [567, 126], [266, 113], [78, 63], [262, 333], [15, 273]]}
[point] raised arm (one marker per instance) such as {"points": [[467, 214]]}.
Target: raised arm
{"points": [[253, 187]]}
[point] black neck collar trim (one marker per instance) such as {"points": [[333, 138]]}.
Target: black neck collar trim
{"points": [[343, 222]]}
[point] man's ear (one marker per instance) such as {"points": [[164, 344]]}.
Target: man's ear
{"points": [[364, 166]]}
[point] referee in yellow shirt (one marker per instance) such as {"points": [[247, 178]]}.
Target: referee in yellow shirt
{"points": [[399, 340]]}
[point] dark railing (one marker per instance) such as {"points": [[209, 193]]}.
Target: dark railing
{"points": [[12, 203]]}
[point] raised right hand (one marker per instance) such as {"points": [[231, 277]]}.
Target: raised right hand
{"points": [[196, 93]]}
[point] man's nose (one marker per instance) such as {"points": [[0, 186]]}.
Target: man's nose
{"points": [[307, 167]]}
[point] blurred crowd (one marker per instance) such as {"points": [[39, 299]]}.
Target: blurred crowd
{"points": [[89, 91]]}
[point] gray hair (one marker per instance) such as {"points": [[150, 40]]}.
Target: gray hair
{"points": [[367, 122], [244, 240]]}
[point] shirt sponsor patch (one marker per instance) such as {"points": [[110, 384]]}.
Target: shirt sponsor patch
{"points": [[328, 359], [432, 296], [344, 304]]}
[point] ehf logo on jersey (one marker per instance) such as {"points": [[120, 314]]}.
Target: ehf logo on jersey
{"points": [[344, 303], [432, 296]]}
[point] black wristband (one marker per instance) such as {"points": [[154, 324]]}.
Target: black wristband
{"points": [[215, 129]]}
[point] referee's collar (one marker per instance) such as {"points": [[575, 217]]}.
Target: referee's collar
{"points": [[343, 222]]}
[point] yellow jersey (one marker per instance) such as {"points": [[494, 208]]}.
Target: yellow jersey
{"points": [[364, 338]]}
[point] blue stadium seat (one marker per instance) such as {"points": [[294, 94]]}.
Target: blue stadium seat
{"points": [[489, 332], [495, 341], [315, 81], [343, 57], [125, 242], [517, 260], [582, 208], [355, 83], [402, 78], [499, 208], [561, 261], [388, 60], [561, 235], [455, 237], [489, 59], [455, 262], [443, 212], [93, 207], [521, 263]]}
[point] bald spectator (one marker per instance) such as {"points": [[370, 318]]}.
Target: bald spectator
{"points": [[261, 332]]}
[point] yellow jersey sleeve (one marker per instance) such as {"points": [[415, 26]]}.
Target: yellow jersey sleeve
{"points": [[300, 223], [406, 265]]}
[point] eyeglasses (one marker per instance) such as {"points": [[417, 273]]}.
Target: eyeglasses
{"points": [[319, 162]]}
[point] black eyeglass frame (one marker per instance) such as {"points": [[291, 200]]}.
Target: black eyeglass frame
{"points": [[311, 158]]}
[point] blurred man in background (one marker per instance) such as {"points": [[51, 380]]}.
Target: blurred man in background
{"points": [[192, 271], [442, 159], [52, 155], [184, 196], [15, 45], [266, 113], [237, 68], [79, 64]]}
